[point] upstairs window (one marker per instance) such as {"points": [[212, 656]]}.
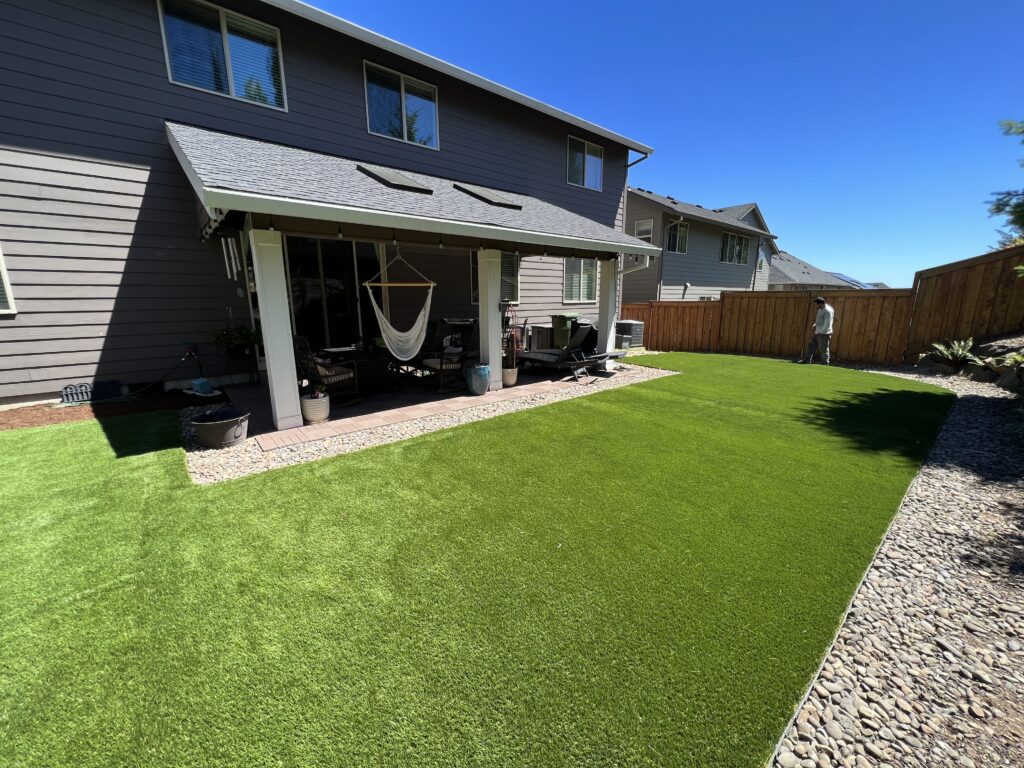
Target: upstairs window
{"points": [[223, 52], [585, 164], [400, 107], [579, 283], [6, 297], [509, 279], [734, 248], [676, 235], [643, 229]]}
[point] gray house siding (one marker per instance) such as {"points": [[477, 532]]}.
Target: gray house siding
{"points": [[642, 285], [701, 266], [98, 224]]}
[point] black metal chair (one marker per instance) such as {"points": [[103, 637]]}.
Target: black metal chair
{"points": [[454, 346], [334, 378]]}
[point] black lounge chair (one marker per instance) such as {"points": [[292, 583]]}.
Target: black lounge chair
{"points": [[578, 353]]}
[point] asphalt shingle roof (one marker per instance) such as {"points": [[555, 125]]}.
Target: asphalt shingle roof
{"points": [[788, 269], [221, 161], [688, 210]]}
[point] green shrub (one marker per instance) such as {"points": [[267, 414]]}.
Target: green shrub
{"points": [[954, 353]]}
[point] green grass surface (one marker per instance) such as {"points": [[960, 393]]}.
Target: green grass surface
{"points": [[647, 576]]}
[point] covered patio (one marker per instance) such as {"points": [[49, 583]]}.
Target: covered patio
{"points": [[266, 198]]}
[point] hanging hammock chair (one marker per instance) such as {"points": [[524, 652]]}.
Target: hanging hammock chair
{"points": [[404, 345]]}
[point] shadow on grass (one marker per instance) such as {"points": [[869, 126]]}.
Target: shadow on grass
{"points": [[137, 434], [894, 421]]}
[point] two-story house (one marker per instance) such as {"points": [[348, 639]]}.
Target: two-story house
{"points": [[704, 251], [168, 167]]}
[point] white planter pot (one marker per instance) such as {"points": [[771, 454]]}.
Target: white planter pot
{"points": [[315, 409], [509, 377]]}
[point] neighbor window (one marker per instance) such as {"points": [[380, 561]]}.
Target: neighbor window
{"points": [[6, 297], [585, 164], [400, 107], [580, 280], [643, 229], [220, 51], [676, 235], [734, 248], [509, 279]]}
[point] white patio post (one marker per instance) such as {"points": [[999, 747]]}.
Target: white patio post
{"points": [[607, 304], [275, 320], [488, 273]]}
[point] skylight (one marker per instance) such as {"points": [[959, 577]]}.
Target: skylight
{"points": [[393, 179], [487, 196]]}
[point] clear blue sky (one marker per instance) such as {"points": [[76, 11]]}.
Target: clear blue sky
{"points": [[866, 131]]}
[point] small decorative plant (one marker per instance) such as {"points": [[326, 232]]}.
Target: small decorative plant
{"points": [[955, 354], [318, 392]]}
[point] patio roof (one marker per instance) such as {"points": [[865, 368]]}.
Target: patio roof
{"points": [[242, 174]]}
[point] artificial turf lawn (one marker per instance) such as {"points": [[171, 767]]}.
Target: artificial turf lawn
{"points": [[646, 576]]}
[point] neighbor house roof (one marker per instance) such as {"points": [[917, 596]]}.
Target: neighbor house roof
{"points": [[788, 269], [235, 173], [330, 21], [737, 211], [699, 213]]}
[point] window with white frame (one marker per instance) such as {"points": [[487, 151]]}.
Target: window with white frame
{"points": [[6, 296], [400, 107], [676, 235], [643, 229], [585, 164], [223, 52], [734, 248], [509, 279], [579, 282]]}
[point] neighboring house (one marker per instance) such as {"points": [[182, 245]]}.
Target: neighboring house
{"points": [[704, 251], [788, 273], [169, 167]]}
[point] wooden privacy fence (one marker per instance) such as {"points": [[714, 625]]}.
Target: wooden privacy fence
{"points": [[693, 326], [976, 297], [972, 298]]}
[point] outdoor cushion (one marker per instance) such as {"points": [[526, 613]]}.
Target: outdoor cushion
{"points": [[434, 364]]}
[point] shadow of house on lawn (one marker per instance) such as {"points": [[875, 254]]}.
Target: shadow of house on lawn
{"points": [[137, 434], [891, 420]]}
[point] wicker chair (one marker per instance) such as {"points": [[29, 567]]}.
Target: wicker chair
{"points": [[446, 361], [335, 378]]}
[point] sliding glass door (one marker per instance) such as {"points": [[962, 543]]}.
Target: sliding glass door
{"points": [[324, 284]]}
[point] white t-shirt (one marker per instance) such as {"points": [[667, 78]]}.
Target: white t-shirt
{"points": [[823, 320]]}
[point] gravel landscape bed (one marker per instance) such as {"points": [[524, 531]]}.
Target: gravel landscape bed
{"points": [[927, 668], [212, 466]]}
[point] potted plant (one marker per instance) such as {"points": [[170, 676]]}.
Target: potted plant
{"points": [[316, 406], [238, 342], [509, 363]]}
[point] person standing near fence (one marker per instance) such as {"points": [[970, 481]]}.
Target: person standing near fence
{"points": [[822, 336]]}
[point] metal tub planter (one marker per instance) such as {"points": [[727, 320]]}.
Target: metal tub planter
{"points": [[221, 428]]}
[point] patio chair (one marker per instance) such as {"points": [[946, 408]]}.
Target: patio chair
{"points": [[450, 355], [335, 378], [578, 353]]}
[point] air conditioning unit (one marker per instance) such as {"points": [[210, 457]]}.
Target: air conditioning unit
{"points": [[632, 328], [541, 336]]}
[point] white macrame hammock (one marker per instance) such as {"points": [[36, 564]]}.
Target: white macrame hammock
{"points": [[404, 345]]}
